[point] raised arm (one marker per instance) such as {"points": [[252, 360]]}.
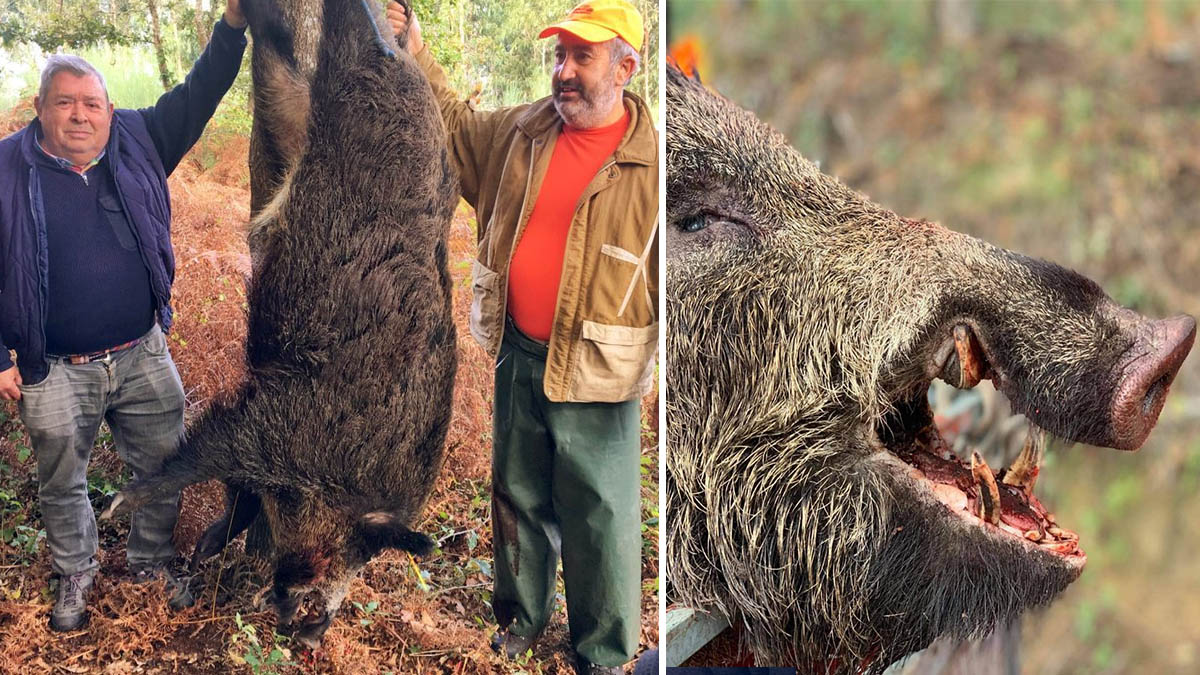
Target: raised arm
{"points": [[180, 115]]}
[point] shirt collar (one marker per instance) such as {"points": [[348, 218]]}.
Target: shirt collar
{"points": [[68, 164]]}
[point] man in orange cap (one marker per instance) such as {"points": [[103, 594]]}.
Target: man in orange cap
{"points": [[565, 299]]}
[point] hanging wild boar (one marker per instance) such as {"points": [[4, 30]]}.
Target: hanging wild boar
{"points": [[337, 436]]}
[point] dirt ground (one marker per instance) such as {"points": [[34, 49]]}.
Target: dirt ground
{"points": [[402, 615]]}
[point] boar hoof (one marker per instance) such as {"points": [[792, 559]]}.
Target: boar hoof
{"points": [[113, 508]]}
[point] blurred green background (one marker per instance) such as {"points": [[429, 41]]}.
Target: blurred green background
{"points": [[1065, 130]]}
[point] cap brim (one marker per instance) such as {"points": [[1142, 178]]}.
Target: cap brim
{"points": [[589, 32]]}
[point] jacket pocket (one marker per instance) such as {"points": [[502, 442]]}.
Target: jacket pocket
{"points": [[487, 323], [613, 363]]}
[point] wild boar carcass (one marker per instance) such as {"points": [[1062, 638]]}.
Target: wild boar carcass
{"points": [[338, 434], [810, 497]]}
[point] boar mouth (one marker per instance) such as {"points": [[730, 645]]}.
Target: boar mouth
{"points": [[1001, 503]]}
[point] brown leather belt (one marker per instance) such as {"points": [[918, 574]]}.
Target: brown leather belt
{"points": [[103, 354]]}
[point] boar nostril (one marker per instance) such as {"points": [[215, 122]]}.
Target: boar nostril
{"points": [[1152, 394], [1160, 348]]}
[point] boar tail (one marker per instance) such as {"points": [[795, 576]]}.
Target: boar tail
{"points": [[379, 530]]}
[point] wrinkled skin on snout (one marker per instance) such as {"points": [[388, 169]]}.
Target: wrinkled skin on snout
{"points": [[810, 497]]}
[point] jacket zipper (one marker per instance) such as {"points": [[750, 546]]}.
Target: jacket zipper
{"points": [[558, 294], [40, 234]]}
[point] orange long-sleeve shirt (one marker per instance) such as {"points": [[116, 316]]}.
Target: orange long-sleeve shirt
{"points": [[533, 276]]}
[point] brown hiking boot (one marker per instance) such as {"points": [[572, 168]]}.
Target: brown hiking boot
{"points": [[70, 602]]}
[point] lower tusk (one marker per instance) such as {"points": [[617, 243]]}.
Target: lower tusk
{"points": [[989, 492], [971, 363]]}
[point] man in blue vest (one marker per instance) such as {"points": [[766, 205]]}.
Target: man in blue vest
{"points": [[86, 266]]}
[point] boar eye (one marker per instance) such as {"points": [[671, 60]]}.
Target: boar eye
{"points": [[694, 223]]}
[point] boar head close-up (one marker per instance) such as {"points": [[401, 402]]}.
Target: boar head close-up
{"points": [[810, 497]]}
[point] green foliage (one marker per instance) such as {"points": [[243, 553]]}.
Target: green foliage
{"points": [[261, 660], [102, 487], [16, 493], [489, 49], [493, 47], [72, 25], [15, 532], [366, 610]]}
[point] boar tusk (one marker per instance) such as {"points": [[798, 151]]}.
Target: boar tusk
{"points": [[971, 363], [1024, 471], [989, 492]]}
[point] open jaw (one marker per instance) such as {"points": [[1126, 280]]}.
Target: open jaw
{"points": [[304, 615], [1000, 503]]}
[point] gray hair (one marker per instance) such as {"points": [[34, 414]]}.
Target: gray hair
{"points": [[58, 63], [618, 49]]}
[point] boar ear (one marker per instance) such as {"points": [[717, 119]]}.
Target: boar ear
{"points": [[380, 530]]}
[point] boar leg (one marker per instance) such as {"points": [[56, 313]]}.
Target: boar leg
{"points": [[281, 113], [402, 38], [178, 472], [241, 507]]}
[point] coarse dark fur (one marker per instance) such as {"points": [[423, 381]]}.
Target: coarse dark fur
{"points": [[338, 434], [804, 324]]}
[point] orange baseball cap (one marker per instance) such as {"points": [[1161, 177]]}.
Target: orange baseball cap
{"points": [[601, 20]]}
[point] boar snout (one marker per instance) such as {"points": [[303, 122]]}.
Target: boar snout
{"points": [[1149, 367]]}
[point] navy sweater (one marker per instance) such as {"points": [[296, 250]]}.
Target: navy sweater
{"points": [[99, 288]]}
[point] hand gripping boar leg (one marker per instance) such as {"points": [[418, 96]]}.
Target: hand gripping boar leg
{"points": [[810, 497], [338, 434]]}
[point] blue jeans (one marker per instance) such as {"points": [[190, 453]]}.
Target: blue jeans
{"points": [[138, 392]]}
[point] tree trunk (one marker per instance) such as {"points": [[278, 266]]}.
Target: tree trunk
{"points": [[159, 53], [200, 24]]}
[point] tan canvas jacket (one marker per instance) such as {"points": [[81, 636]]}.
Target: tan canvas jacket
{"points": [[605, 331]]}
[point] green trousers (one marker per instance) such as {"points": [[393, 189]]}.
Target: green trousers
{"points": [[565, 475]]}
